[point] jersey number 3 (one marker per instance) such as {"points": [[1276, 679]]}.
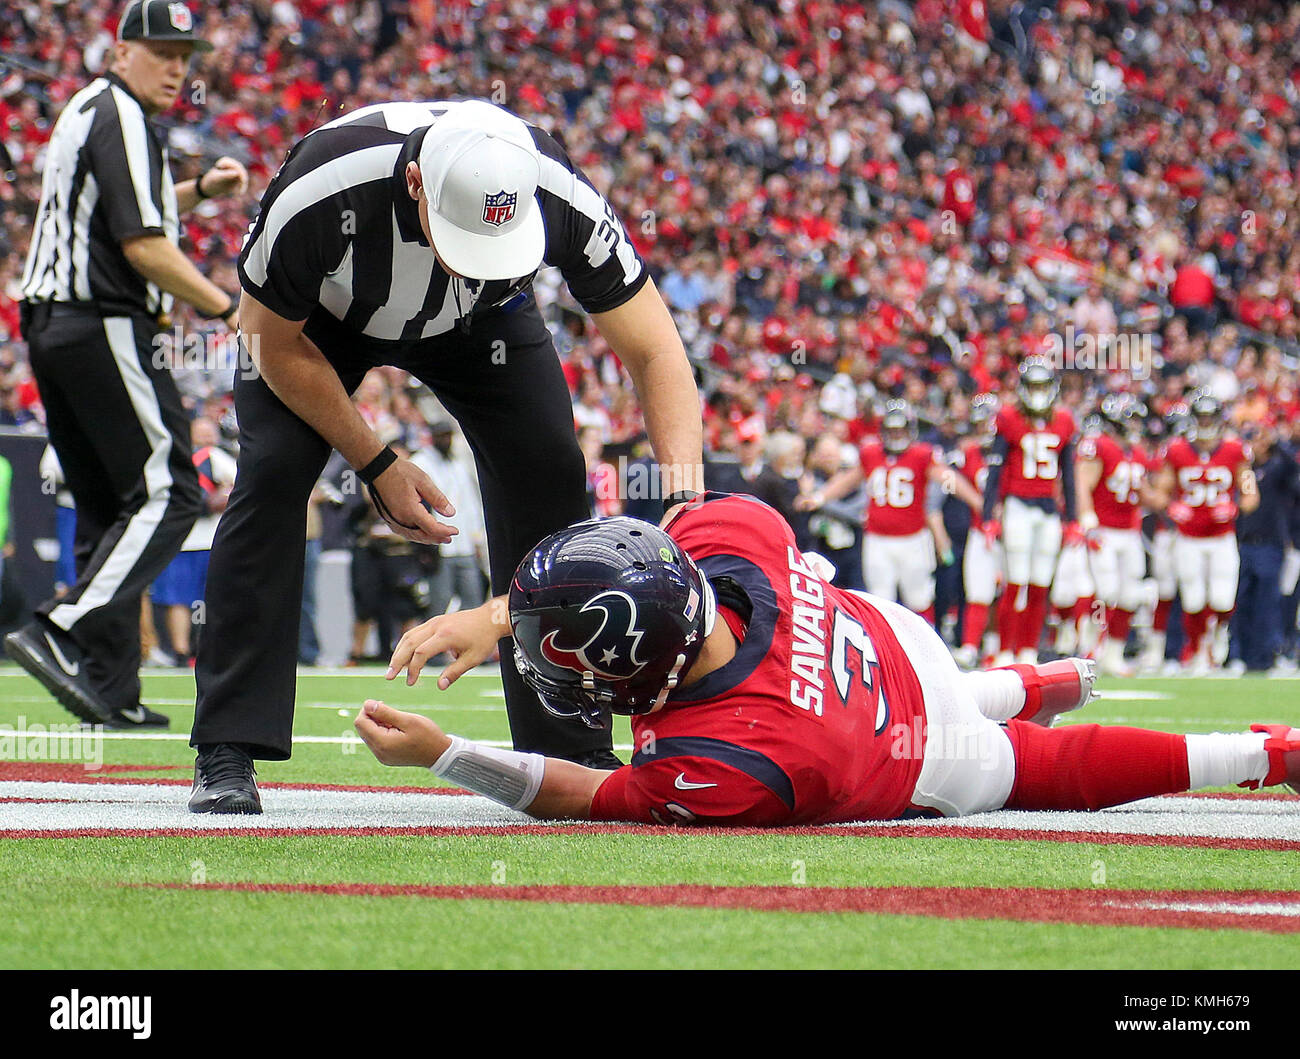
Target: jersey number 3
{"points": [[849, 635]]}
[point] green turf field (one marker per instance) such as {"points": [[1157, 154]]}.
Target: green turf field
{"points": [[153, 901]]}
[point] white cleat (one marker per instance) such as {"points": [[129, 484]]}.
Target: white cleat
{"points": [[966, 656], [1112, 662]]}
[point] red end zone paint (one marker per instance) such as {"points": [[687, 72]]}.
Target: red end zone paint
{"points": [[1214, 910], [1093, 838]]}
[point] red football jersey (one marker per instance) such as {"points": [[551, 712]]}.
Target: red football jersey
{"points": [[970, 461], [1034, 447], [818, 717], [1205, 482], [896, 488], [968, 458], [1115, 498]]}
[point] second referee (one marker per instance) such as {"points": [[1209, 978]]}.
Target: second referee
{"points": [[101, 274]]}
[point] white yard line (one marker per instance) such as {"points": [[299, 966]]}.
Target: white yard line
{"points": [[144, 806]]}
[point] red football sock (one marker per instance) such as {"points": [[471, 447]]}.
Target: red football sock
{"points": [[974, 623], [1082, 609], [1194, 628], [1009, 618], [1118, 623], [1031, 621], [1160, 619], [1088, 766]]}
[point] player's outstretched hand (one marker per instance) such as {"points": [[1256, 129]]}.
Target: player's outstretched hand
{"points": [[405, 498], [470, 635], [399, 738]]}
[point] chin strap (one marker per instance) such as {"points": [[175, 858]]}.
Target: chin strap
{"points": [[669, 684], [710, 607]]}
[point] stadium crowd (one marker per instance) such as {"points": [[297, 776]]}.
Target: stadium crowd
{"points": [[842, 203]]}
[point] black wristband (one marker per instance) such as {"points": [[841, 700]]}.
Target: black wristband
{"points": [[682, 496], [198, 185], [377, 466], [226, 315]]}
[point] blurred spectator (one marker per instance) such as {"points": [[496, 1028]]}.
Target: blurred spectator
{"points": [[835, 529], [179, 589], [391, 586], [459, 573], [308, 638], [604, 489], [1262, 537]]}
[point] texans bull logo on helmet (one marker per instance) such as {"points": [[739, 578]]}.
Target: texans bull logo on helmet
{"points": [[611, 650], [499, 209]]}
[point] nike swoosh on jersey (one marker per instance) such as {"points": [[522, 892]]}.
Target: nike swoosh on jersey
{"points": [[71, 668], [683, 784]]}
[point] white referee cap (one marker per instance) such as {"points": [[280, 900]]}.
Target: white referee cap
{"points": [[480, 169]]}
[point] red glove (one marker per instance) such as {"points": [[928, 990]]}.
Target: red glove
{"points": [[1073, 535], [1179, 513], [992, 531], [1224, 511]]}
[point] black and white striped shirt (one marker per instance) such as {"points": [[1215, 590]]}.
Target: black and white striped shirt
{"points": [[337, 230], [106, 179]]}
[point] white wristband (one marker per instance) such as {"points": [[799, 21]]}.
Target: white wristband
{"points": [[505, 776]]}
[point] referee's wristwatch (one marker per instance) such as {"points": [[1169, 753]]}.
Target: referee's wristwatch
{"points": [[230, 311], [198, 186]]}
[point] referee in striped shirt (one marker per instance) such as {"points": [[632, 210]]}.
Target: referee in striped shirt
{"points": [[408, 234], [101, 273]]}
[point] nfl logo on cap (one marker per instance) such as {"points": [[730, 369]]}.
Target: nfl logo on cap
{"points": [[499, 209], [180, 17]]}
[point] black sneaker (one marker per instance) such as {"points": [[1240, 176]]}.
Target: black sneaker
{"points": [[599, 759], [223, 781], [52, 658], [137, 716]]}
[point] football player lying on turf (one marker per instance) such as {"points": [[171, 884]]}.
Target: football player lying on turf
{"points": [[762, 695]]}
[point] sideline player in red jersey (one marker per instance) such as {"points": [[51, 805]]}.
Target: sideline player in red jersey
{"points": [[1202, 471], [1031, 472], [1173, 424], [1112, 490], [904, 531], [982, 561], [762, 695]]}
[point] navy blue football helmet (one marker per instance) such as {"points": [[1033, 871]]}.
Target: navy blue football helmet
{"points": [[608, 616]]}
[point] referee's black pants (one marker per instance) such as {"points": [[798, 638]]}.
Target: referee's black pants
{"points": [[504, 385], [122, 436]]}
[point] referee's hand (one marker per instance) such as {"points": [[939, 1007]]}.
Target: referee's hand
{"points": [[226, 177], [407, 494]]}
